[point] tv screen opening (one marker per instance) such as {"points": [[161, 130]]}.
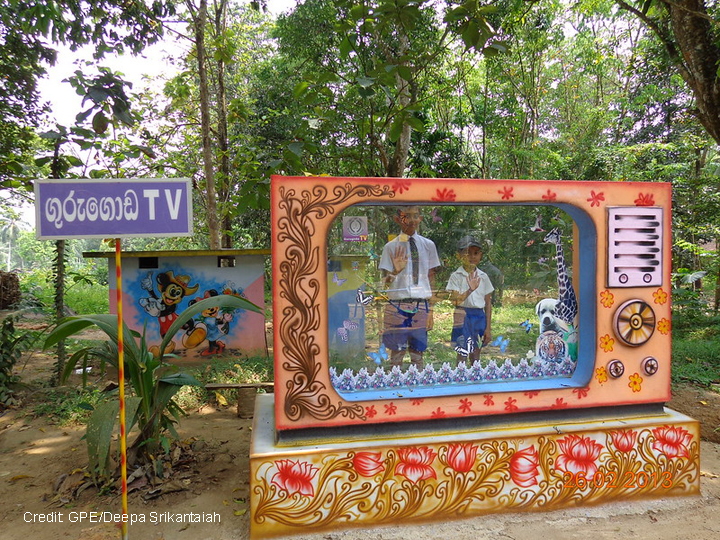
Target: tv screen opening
{"points": [[430, 300]]}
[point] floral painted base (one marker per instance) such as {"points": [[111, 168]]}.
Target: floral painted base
{"points": [[447, 475]]}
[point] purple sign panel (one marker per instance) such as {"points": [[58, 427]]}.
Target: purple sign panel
{"points": [[140, 207]]}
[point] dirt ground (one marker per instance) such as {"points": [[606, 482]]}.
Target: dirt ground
{"points": [[35, 454], [38, 459]]}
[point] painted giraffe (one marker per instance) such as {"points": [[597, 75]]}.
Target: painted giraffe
{"points": [[567, 309]]}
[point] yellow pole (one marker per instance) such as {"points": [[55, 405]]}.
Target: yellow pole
{"points": [[121, 382]]}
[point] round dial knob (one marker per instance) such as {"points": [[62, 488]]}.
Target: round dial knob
{"points": [[634, 322]]}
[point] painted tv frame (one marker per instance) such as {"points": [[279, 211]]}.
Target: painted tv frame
{"points": [[610, 371]]}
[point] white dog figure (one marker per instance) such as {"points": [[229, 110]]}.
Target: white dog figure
{"points": [[545, 310]]}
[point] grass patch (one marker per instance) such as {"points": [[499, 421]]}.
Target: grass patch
{"points": [[223, 370], [696, 361], [695, 347], [68, 407], [85, 299]]}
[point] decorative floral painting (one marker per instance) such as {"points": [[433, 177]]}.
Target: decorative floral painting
{"points": [[424, 481]]}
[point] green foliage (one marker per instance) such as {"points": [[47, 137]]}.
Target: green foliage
{"points": [[222, 370], [12, 345], [696, 339], [696, 361], [68, 407], [154, 382]]}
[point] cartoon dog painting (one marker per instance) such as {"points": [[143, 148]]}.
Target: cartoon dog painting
{"points": [[172, 289]]}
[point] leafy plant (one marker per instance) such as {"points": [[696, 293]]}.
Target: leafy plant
{"points": [[11, 348], [153, 382]]}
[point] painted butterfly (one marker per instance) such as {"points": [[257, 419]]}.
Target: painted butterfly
{"points": [[380, 356], [338, 280], [362, 298], [350, 325], [345, 328], [500, 342], [527, 325], [468, 349]]}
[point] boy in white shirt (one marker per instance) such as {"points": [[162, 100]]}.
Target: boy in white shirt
{"points": [[471, 291], [409, 263]]}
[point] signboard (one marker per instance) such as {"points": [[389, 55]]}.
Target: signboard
{"points": [[84, 208], [355, 229]]}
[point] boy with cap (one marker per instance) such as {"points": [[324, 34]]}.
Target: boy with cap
{"points": [[471, 291]]}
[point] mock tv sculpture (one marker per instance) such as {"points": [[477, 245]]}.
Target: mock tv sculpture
{"points": [[547, 417]]}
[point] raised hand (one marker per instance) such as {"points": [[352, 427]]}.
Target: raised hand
{"points": [[399, 259], [473, 280]]}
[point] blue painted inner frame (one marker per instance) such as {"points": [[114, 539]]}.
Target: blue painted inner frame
{"points": [[587, 339]]}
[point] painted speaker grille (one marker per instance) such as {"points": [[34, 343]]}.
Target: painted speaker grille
{"points": [[635, 246]]}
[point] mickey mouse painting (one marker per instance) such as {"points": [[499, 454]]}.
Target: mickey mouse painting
{"points": [[172, 290]]}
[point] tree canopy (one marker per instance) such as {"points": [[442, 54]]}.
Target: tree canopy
{"points": [[595, 90]]}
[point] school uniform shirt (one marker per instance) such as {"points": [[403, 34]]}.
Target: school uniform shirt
{"points": [[459, 282], [402, 286]]}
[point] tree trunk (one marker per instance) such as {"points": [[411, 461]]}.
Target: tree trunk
{"points": [[199, 18], [701, 56], [694, 51], [58, 277], [223, 187], [397, 164]]}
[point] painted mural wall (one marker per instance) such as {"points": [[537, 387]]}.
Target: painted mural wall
{"points": [[157, 289]]}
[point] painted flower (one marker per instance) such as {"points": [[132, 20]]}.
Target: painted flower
{"points": [[549, 196], [414, 463], [506, 192], [524, 467], [461, 457], [635, 382], [601, 374], [607, 299], [578, 454], [370, 411], [607, 343], [663, 326], [581, 392], [465, 405], [390, 408], [510, 404], [645, 199], [531, 393], [559, 404], [672, 441], [400, 185], [444, 194], [596, 198], [489, 402], [660, 296], [295, 477], [438, 413], [368, 463], [624, 440]]}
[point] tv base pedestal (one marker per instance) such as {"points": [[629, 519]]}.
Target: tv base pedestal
{"points": [[451, 474]]}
